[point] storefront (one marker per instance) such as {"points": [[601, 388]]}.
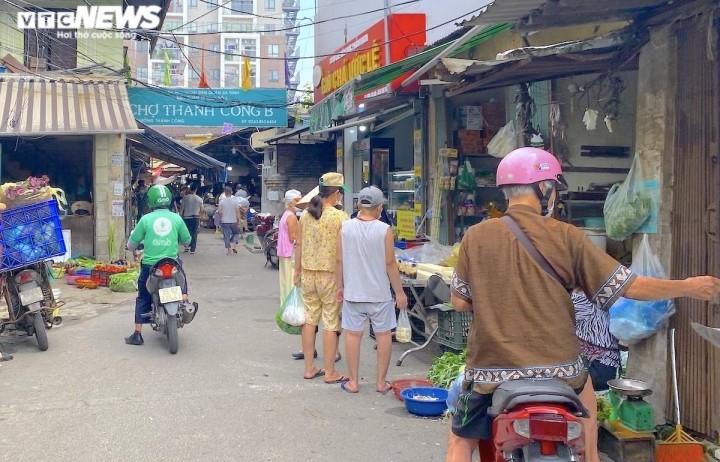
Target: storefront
{"points": [[72, 130]]}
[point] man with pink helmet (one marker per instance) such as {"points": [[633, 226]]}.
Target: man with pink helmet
{"points": [[523, 318]]}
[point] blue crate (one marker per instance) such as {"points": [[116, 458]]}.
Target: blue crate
{"points": [[30, 234]]}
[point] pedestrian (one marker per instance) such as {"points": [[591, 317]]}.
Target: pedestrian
{"points": [[366, 270], [190, 211], [244, 204], [287, 236], [141, 202], [160, 231], [523, 318], [315, 262], [229, 212]]}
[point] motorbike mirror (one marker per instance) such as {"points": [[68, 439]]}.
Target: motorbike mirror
{"points": [[439, 288]]}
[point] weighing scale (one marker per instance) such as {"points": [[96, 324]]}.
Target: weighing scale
{"points": [[627, 435]]}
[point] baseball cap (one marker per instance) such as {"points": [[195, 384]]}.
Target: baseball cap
{"points": [[334, 179], [292, 194], [370, 197]]}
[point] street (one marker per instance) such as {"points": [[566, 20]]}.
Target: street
{"points": [[231, 393]]}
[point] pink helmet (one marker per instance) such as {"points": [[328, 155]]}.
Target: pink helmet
{"points": [[529, 166]]}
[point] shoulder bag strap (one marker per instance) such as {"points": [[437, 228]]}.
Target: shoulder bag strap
{"points": [[532, 250]]}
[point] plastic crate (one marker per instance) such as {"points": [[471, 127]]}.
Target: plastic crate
{"points": [[30, 234], [453, 328], [104, 276]]}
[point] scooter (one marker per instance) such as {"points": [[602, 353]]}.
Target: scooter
{"points": [[169, 312], [30, 301], [269, 244], [534, 420]]}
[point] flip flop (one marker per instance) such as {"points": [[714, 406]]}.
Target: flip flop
{"points": [[386, 390], [319, 373], [342, 378], [342, 385], [234, 250]]}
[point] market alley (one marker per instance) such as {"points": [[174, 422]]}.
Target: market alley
{"points": [[231, 393]]}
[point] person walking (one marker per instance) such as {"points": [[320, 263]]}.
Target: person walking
{"points": [[366, 270], [160, 232], [315, 263], [527, 328], [229, 212], [287, 236], [190, 211]]}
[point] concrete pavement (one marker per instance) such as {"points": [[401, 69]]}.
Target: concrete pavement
{"points": [[231, 393]]}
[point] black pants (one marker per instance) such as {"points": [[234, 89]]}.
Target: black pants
{"points": [[192, 224]]}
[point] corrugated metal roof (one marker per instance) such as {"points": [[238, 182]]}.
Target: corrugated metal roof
{"points": [[558, 13], [170, 150], [32, 106]]}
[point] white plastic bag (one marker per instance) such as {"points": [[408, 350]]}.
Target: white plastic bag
{"points": [[294, 308], [403, 333], [634, 320], [628, 205], [504, 141]]}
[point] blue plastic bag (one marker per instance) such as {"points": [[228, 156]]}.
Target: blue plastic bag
{"points": [[455, 390], [633, 320]]}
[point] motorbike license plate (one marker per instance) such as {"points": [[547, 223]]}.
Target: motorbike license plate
{"points": [[170, 294], [31, 296]]}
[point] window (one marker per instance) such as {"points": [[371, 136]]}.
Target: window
{"points": [[273, 51], [273, 76], [142, 46], [172, 25], [142, 73], [192, 27], [212, 27], [232, 79], [241, 7], [192, 3], [46, 51], [215, 47], [193, 49], [214, 76], [269, 5], [211, 4], [249, 48]]}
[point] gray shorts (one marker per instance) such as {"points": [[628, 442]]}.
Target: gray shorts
{"points": [[381, 314]]}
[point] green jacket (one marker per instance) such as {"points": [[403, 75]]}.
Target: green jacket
{"points": [[161, 231]]}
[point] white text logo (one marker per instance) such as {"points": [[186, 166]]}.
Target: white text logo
{"points": [[92, 17]]}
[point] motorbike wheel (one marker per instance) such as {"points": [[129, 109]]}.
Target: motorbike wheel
{"points": [[40, 332], [171, 330], [272, 257]]}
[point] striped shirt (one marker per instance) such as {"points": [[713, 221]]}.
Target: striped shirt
{"points": [[592, 326]]}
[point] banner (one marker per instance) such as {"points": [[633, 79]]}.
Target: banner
{"points": [[204, 107]]}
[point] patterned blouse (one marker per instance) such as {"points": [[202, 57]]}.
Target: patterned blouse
{"points": [[592, 326], [319, 239]]}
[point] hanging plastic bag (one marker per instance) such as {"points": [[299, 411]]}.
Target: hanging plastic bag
{"points": [[634, 320], [504, 141], [285, 327], [455, 390], [403, 333], [628, 205], [294, 308]]}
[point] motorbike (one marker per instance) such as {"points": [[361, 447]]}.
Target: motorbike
{"points": [[267, 233], [534, 419], [30, 301], [169, 312]]}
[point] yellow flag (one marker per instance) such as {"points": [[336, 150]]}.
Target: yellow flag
{"points": [[246, 80]]}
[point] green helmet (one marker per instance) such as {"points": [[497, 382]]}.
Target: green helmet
{"points": [[159, 196]]}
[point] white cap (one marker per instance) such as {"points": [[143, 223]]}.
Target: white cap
{"points": [[292, 194]]}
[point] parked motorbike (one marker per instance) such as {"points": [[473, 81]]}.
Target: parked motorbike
{"points": [[169, 312], [30, 301], [534, 420], [267, 233]]}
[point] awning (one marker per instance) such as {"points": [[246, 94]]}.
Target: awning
{"points": [[540, 14], [33, 106], [287, 134], [165, 148]]}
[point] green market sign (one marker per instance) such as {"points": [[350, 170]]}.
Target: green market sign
{"points": [[204, 107]]}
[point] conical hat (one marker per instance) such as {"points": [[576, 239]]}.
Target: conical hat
{"points": [[305, 201]]}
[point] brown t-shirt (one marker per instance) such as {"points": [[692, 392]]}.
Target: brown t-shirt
{"points": [[523, 319]]}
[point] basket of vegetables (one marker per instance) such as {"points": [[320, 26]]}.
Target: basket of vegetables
{"points": [[87, 283], [425, 401]]}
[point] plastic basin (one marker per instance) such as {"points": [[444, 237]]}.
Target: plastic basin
{"points": [[401, 384], [425, 407]]}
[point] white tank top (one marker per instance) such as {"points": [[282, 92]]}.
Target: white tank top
{"points": [[364, 268]]}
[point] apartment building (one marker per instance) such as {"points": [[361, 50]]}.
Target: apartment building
{"points": [[214, 35]]}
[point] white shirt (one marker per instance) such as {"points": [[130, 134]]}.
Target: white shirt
{"points": [[228, 206]]}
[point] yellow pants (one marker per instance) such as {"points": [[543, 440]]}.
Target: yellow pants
{"points": [[319, 293], [287, 271]]}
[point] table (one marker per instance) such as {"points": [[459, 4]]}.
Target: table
{"points": [[418, 310]]}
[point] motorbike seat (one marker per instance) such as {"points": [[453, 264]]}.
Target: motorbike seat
{"points": [[522, 392]]}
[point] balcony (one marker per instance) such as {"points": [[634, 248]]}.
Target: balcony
{"points": [[238, 8], [176, 7], [173, 53], [231, 56], [291, 5]]}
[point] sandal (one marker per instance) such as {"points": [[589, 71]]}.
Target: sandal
{"points": [[318, 373]]}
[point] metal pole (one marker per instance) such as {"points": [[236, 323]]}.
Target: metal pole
{"points": [[387, 32]]}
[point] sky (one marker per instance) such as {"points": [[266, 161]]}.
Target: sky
{"points": [[306, 42]]}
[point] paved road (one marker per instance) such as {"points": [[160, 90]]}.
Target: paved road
{"points": [[231, 393]]}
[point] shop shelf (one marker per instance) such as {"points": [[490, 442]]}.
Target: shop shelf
{"points": [[30, 234], [453, 328]]}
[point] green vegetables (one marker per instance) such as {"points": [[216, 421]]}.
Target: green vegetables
{"points": [[445, 369], [626, 218], [604, 408], [124, 282], [285, 327]]}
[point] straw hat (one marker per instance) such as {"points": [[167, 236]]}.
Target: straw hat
{"points": [[305, 201]]}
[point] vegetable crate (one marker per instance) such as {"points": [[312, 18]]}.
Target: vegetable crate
{"points": [[104, 276], [30, 234], [453, 328]]}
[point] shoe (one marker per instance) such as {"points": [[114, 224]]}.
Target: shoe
{"points": [[187, 249], [135, 339], [300, 355], [192, 252]]}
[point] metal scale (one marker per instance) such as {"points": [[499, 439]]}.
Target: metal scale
{"points": [[628, 434]]}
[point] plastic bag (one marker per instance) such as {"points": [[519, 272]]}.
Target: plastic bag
{"points": [[455, 390], [628, 205], [403, 333], [430, 252], [504, 142], [285, 327], [634, 320], [124, 282], [294, 308]]}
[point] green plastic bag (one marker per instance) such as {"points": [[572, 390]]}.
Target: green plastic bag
{"points": [[124, 282], [285, 327]]}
